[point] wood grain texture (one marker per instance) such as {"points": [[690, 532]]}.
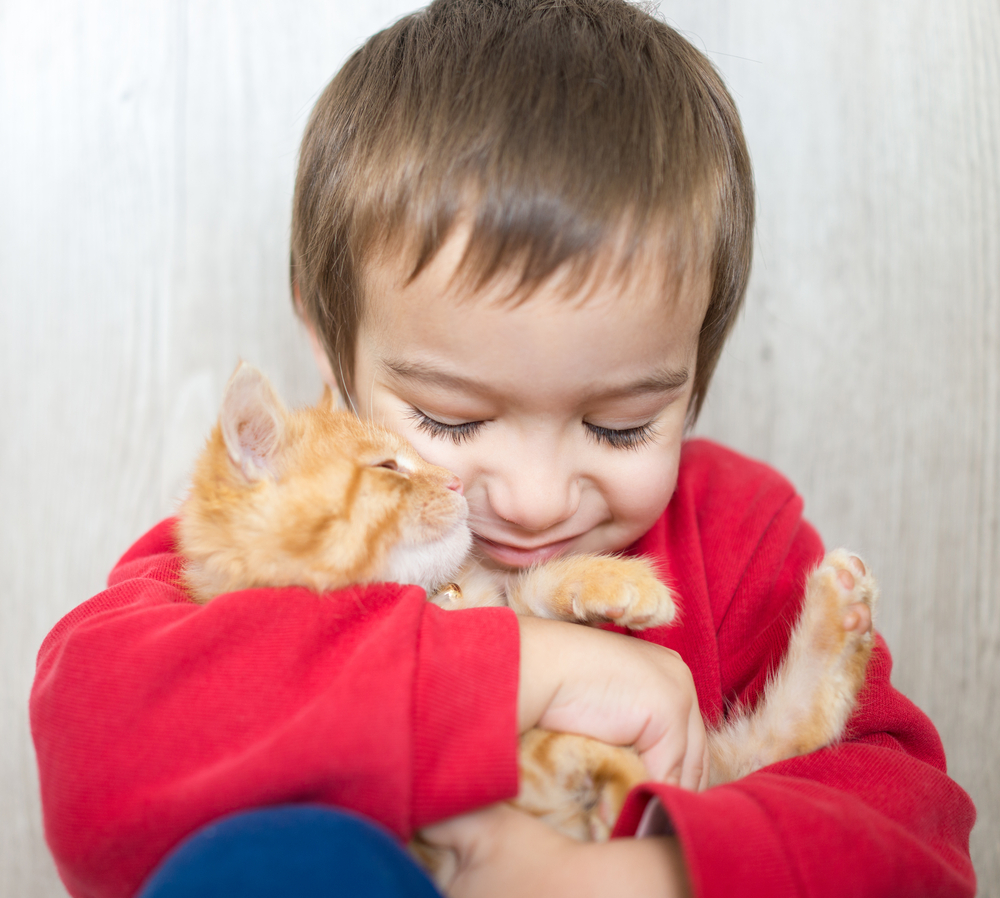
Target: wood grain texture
{"points": [[148, 152]]}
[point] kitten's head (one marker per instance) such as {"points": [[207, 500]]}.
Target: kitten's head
{"points": [[314, 497]]}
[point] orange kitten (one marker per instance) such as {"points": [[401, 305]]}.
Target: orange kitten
{"points": [[317, 498]]}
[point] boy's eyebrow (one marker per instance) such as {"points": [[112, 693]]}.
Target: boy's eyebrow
{"points": [[431, 375], [664, 381]]}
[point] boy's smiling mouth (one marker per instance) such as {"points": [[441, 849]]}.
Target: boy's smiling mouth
{"points": [[516, 556]]}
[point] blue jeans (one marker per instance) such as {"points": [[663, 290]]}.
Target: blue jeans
{"points": [[300, 851]]}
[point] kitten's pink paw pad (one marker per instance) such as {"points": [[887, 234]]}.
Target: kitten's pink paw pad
{"points": [[627, 618], [845, 578], [850, 596], [859, 618], [849, 569]]}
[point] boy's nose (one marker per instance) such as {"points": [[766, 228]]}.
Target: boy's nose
{"points": [[534, 504]]}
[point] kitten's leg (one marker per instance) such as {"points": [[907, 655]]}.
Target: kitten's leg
{"points": [[808, 702], [594, 589], [575, 784]]}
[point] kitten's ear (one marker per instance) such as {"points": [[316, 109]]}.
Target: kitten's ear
{"points": [[253, 423]]}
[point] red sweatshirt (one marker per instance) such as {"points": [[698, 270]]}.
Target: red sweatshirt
{"points": [[153, 716]]}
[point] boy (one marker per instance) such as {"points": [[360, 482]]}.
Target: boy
{"points": [[522, 230]]}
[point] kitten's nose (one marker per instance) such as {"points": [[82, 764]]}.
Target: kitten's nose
{"points": [[455, 484]]}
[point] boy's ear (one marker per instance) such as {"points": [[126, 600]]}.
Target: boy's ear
{"points": [[252, 421], [320, 356]]}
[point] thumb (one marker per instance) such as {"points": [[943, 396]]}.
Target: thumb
{"points": [[453, 846], [466, 833]]}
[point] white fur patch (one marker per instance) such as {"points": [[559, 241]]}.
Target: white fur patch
{"points": [[429, 564]]}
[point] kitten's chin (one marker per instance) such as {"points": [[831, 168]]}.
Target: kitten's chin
{"points": [[429, 564]]}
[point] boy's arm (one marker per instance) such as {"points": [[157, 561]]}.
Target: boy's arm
{"points": [[152, 715]]}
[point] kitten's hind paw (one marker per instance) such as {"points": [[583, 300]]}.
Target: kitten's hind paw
{"points": [[857, 615], [846, 594]]}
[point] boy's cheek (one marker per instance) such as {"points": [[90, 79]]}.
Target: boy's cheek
{"points": [[641, 491]]}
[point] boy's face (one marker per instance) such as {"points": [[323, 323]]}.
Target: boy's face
{"points": [[563, 415]]}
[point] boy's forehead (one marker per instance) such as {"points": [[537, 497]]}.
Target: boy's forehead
{"points": [[653, 273], [616, 336]]}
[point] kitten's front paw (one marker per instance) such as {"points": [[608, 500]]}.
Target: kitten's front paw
{"points": [[596, 589], [624, 591]]}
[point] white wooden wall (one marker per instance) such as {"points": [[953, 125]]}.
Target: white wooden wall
{"points": [[147, 154]]}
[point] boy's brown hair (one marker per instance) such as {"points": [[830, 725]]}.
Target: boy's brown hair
{"points": [[559, 130]]}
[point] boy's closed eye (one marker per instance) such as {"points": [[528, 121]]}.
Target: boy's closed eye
{"points": [[616, 438], [626, 438], [457, 433]]}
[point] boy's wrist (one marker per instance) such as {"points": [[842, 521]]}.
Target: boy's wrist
{"points": [[539, 676], [502, 851], [651, 866]]}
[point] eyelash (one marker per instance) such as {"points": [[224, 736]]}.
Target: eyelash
{"points": [[457, 433], [630, 438]]}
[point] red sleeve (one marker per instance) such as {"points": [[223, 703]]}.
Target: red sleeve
{"points": [[152, 716], [876, 815]]}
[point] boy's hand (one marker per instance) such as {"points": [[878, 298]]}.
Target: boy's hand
{"points": [[503, 852], [615, 688]]}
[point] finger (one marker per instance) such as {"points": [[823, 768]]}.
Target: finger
{"points": [[665, 760], [662, 755], [706, 772], [694, 755], [663, 746], [464, 832]]}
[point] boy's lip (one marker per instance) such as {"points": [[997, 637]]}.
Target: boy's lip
{"points": [[515, 556]]}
